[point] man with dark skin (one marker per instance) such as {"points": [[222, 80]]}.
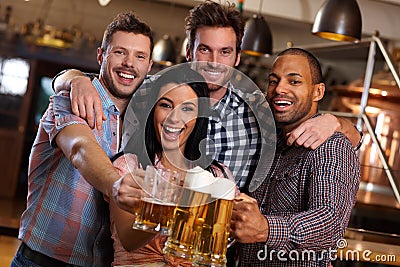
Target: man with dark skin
{"points": [[305, 202]]}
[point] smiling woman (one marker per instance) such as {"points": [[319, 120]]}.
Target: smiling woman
{"points": [[178, 111], [175, 120], [175, 115]]}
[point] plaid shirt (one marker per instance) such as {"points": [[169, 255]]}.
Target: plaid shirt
{"points": [[234, 132], [66, 218], [234, 135], [307, 199]]}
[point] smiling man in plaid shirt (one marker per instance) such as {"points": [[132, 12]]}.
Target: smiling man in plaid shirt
{"points": [[301, 209]]}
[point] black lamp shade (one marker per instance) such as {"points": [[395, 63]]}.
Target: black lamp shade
{"points": [[164, 51], [257, 39], [338, 20]]}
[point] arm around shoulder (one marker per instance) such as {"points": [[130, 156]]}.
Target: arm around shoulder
{"points": [[62, 81], [85, 100], [351, 132]]}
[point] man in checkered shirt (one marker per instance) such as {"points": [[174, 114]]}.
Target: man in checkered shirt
{"points": [[241, 125], [299, 213]]}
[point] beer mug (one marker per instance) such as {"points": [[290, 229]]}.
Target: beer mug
{"points": [[212, 244], [190, 215], [161, 193]]}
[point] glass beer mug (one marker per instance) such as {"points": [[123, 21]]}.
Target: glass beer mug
{"points": [[200, 229], [190, 214], [187, 224], [161, 193], [212, 244]]}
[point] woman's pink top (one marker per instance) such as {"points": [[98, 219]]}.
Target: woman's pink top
{"points": [[152, 251]]}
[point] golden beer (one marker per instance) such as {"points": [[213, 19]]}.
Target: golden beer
{"points": [[213, 241], [187, 224], [160, 195], [153, 215]]}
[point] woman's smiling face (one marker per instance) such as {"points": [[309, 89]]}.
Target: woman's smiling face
{"points": [[175, 115]]}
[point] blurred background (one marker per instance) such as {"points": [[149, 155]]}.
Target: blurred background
{"points": [[39, 38]]}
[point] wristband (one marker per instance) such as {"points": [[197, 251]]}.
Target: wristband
{"points": [[361, 138]]}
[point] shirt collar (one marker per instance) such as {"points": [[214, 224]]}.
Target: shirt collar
{"points": [[227, 102], [105, 98]]}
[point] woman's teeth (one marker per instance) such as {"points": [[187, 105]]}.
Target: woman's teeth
{"points": [[172, 130], [214, 72]]}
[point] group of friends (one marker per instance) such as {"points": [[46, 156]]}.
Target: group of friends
{"points": [[297, 170]]}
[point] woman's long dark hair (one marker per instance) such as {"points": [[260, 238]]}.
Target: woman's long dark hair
{"points": [[195, 149]]}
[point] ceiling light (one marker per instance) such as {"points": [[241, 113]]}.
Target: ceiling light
{"points": [[257, 39], [338, 20], [164, 51]]}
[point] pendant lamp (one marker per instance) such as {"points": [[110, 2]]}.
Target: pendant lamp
{"points": [[338, 20], [257, 38], [164, 51]]}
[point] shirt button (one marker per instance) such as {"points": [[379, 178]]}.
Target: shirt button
{"points": [[114, 134]]}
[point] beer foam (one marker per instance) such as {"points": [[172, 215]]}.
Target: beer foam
{"points": [[223, 188], [199, 180]]}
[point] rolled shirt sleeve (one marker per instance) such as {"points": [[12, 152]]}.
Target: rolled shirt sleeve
{"points": [[58, 116]]}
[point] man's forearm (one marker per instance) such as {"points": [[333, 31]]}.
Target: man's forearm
{"points": [[81, 148], [63, 81], [348, 129]]}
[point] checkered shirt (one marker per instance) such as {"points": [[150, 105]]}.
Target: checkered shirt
{"points": [[307, 198], [234, 132]]}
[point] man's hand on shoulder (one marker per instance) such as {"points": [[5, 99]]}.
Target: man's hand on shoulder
{"points": [[313, 132], [85, 100]]}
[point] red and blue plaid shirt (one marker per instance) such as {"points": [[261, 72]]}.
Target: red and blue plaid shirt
{"points": [[66, 218]]}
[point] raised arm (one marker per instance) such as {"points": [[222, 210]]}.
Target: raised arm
{"points": [[85, 100], [80, 146], [130, 239], [313, 132]]}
